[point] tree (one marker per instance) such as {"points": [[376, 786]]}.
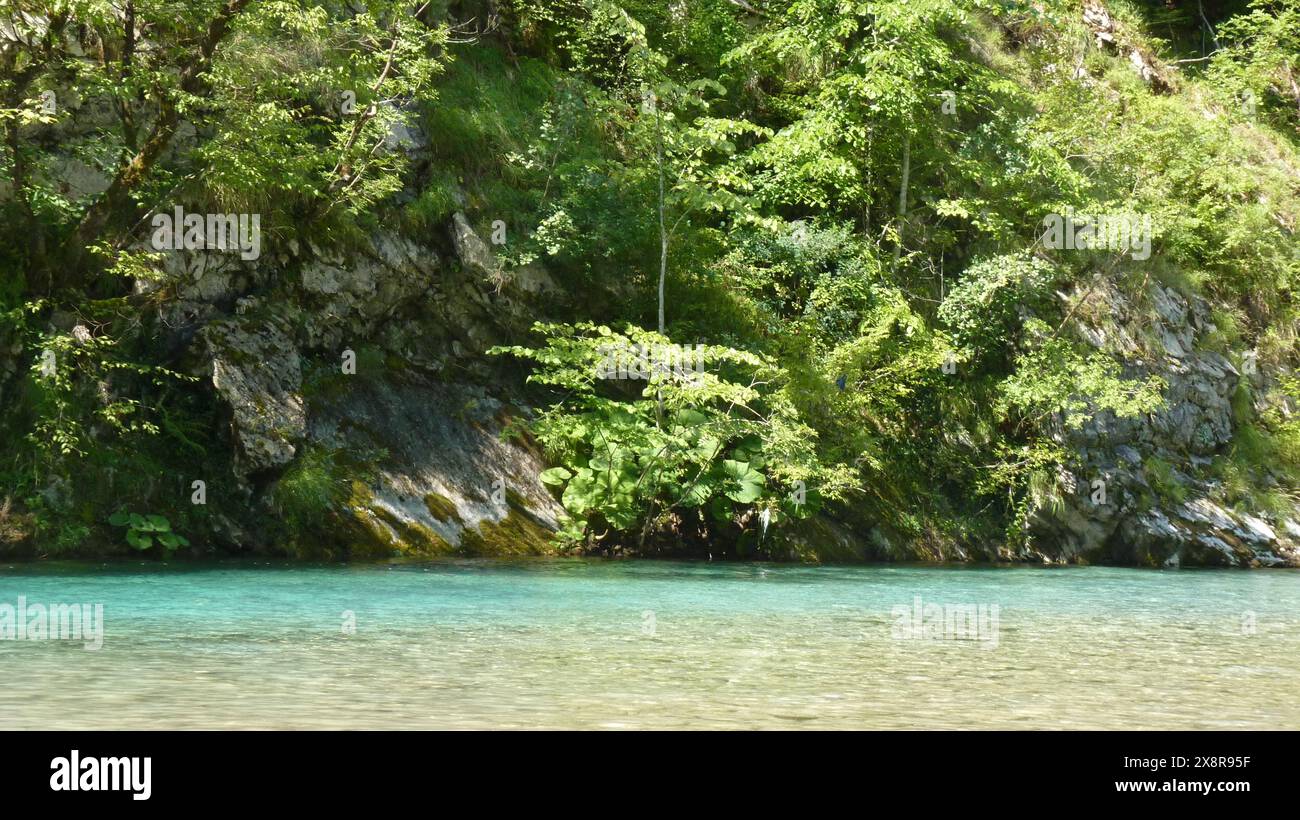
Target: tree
{"points": [[294, 102]]}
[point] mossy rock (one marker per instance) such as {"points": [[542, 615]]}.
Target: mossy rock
{"points": [[442, 508], [424, 541], [811, 540], [413, 538], [516, 534], [372, 538], [376, 533]]}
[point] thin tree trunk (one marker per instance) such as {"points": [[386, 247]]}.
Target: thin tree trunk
{"points": [[1200, 6], [663, 231], [130, 133], [34, 230], [663, 246], [116, 198], [19, 81], [871, 180], [902, 197]]}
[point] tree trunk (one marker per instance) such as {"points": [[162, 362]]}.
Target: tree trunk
{"points": [[33, 228], [902, 197], [663, 231], [663, 246]]}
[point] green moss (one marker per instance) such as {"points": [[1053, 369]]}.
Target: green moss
{"points": [[324, 379], [369, 537], [411, 537], [1253, 446], [1227, 331], [442, 508], [375, 539], [1243, 403], [435, 203], [516, 534], [309, 488], [812, 540], [375, 531], [423, 541]]}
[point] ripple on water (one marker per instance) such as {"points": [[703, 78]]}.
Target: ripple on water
{"points": [[592, 644]]}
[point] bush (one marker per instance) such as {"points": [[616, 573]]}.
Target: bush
{"points": [[705, 444]]}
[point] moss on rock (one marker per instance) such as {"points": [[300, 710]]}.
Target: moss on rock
{"points": [[516, 534], [442, 508]]}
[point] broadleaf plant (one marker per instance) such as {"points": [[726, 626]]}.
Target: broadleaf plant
{"points": [[709, 450], [144, 531]]}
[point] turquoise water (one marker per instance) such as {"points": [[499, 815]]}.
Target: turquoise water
{"points": [[591, 644]]}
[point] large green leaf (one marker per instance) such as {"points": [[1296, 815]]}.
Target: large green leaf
{"points": [[745, 485], [733, 469], [720, 509], [696, 494], [706, 446], [603, 462], [690, 418], [622, 511], [556, 476], [579, 496], [750, 450]]}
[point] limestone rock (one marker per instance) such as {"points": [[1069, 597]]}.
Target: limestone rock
{"points": [[1136, 524], [447, 482], [257, 373], [474, 254]]}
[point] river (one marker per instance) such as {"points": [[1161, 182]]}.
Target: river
{"points": [[649, 644]]}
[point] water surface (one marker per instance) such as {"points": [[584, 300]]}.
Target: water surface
{"points": [[591, 644]]}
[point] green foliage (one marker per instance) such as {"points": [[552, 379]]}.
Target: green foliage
{"points": [[144, 531], [1277, 446], [846, 199], [81, 379], [984, 310], [819, 278], [310, 489], [1160, 474], [1260, 60], [1054, 377], [310, 499], [705, 444]]}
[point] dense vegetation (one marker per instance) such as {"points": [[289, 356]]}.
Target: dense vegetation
{"points": [[842, 202]]}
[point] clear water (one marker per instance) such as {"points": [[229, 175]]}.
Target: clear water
{"points": [[588, 644]]}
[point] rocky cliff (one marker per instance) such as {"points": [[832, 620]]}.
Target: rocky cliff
{"points": [[1145, 490], [378, 357]]}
